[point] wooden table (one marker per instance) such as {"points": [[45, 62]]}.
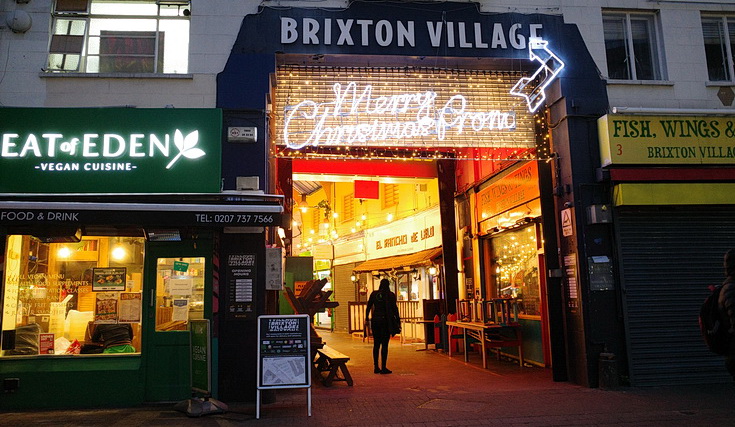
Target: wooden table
{"points": [[489, 336], [417, 321]]}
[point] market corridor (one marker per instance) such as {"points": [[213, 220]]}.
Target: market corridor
{"points": [[428, 370]]}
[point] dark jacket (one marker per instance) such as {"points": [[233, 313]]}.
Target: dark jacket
{"points": [[727, 303], [727, 316], [384, 310]]}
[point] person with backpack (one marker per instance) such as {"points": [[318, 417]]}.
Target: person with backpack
{"points": [[727, 309], [384, 323]]}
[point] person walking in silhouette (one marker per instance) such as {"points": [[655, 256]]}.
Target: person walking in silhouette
{"points": [[384, 323]]}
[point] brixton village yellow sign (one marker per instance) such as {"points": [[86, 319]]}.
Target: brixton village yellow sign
{"points": [[666, 140]]}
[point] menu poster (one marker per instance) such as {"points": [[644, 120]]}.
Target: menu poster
{"points": [[130, 307], [45, 343], [180, 310], [109, 279], [105, 310]]}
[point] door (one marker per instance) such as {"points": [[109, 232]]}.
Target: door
{"points": [[177, 289]]}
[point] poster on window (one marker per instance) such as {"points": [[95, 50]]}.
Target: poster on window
{"points": [[45, 343], [108, 279], [105, 310], [180, 310], [180, 287], [130, 307]]}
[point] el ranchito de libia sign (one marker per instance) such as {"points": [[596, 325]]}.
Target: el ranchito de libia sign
{"points": [[110, 150]]}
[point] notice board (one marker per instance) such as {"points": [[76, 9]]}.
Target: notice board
{"points": [[284, 351]]}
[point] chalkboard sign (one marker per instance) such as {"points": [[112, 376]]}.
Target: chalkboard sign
{"points": [[284, 354]]}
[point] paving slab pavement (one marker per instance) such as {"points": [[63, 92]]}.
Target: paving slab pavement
{"points": [[427, 388]]}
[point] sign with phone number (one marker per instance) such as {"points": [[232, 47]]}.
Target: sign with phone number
{"points": [[143, 218]]}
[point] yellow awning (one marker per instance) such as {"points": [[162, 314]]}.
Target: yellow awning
{"points": [[398, 261], [635, 194]]}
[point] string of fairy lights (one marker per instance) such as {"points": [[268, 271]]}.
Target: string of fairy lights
{"points": [[326, 109]]}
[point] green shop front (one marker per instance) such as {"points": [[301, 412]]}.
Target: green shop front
{"points": [[115, 234]]}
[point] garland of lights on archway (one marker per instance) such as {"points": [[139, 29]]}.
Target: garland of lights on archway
{"points": [[472, 115]]}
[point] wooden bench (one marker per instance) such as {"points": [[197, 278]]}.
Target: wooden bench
{"points": [[331, 361]]}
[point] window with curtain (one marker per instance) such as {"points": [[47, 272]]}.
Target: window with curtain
{"points": [[719, 34], [109, 36], [631, 46]]}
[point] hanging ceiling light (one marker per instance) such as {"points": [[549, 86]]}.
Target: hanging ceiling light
{"points": [[303, 204]]}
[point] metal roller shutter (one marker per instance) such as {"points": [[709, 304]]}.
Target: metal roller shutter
{"points": [[344, 291], [669, 255]]}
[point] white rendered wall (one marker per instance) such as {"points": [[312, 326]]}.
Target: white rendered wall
{"points": [[215, 24], [214, 27]]}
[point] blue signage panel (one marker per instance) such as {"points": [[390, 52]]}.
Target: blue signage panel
{"points": [[440, 29]]}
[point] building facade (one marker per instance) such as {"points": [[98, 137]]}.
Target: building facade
{"points": [[577, 153]]}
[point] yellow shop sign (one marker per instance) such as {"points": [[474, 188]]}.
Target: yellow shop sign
{"points": [[666, 140]]}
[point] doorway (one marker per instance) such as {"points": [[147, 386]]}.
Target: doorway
{"points": [[177, 289]]}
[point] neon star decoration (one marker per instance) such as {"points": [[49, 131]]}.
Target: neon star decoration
{"points": [[533, 88]]}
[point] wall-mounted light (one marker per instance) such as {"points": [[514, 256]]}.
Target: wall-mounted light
{"points": [[118, 253], [63, 252], [432, 270], [353, 277]]}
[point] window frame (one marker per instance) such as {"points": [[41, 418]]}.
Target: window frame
{"points": [[88, 18], [654, 45], [724, 21], [70, 278]]}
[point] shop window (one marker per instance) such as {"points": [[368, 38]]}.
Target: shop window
{"points": [[631, 45], [719, 37], [516, 269], [72, 297], [108, 36], [407, 285], [390, 195], [179, 293]]}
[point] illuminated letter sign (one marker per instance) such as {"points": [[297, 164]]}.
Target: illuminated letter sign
{"points": [[106, 150], [357, 116], [551, 66]]}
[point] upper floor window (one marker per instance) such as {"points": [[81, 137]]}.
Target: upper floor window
{"points": [[108, 36], [719, 36], [631, 46]]}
